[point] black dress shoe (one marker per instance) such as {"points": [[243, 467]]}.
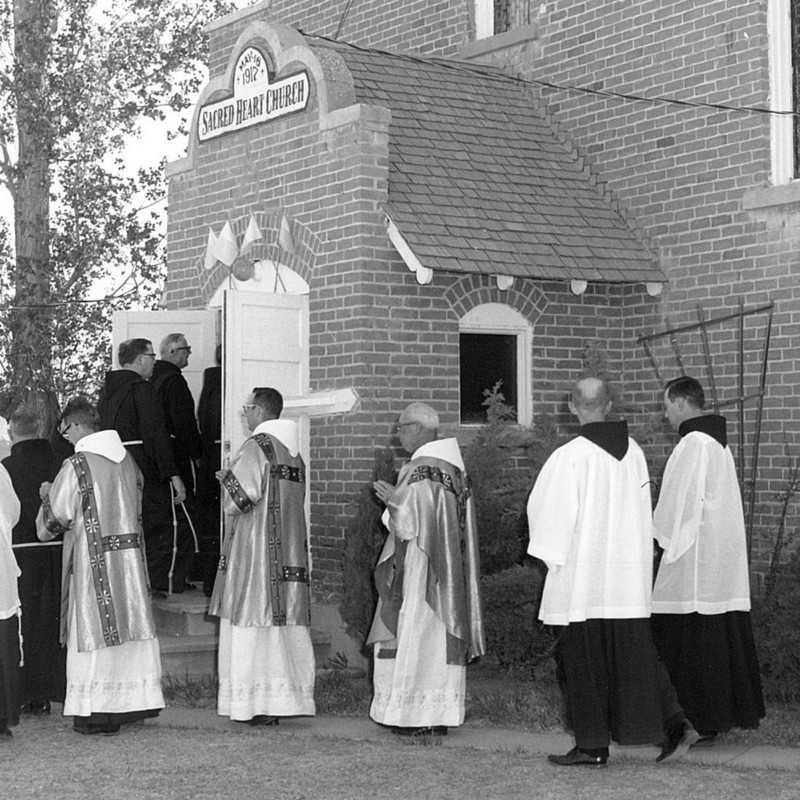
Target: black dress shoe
{"points": [[95, 728], [38, 707], [427, 730], [5, 733], [679, 739], [259, 720], [577, 758]]}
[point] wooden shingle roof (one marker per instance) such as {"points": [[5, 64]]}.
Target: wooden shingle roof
{"points": [[479, 182]]}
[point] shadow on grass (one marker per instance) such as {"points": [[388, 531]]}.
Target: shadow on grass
{"points": [[495, 698]]}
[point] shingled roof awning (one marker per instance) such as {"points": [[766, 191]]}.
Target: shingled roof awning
{"points": [[479, 181]]}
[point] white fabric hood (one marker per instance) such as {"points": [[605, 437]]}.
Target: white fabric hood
{"points": [[103, 443], [284, 430]]}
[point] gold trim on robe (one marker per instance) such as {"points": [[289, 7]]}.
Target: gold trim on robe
{"points": [[262, 577], [102, 553], [433, 504]]}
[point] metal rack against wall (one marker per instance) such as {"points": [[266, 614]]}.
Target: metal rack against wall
{"points": [[703, 326]]}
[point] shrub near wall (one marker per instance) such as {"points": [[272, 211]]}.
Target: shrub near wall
{"points": [[514, 635]]}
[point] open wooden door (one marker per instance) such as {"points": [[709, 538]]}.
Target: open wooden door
{"points": [[201, 329], [265, 344]]}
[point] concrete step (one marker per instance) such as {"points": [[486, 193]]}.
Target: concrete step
{"points": [[184, 615], [189, 638]]}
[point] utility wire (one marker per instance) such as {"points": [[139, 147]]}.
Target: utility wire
{"points": [[343, 18], [461, 66]]}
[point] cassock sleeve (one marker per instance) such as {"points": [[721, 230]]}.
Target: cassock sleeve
{"points": [[57, 510], [243, 483], [679, 510], [180, 406], [553, 511], [9, 502], [155, 438]]}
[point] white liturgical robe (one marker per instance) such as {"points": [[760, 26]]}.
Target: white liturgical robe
{"points": [[590, 521], [700, 524]]}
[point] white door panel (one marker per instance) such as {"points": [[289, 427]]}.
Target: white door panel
{"points": [[201, 329]]}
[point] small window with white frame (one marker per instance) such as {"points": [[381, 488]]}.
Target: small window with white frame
{"points": [[498, 16], [783, 27], [494, 348]]}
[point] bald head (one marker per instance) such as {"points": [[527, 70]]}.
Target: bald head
{"points": [[422, 414], [590, 400]]}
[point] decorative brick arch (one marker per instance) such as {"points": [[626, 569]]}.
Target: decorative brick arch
{"points": [[301, 260], [475, 290]]}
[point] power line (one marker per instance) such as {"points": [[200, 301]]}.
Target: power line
{"points": [[342, 19], [460, 66]]}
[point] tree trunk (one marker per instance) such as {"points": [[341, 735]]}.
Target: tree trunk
{"points": [[31, 323]]}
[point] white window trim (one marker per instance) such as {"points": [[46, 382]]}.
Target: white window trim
{"points": [[780, 79], [484, 19], [499, 318]]}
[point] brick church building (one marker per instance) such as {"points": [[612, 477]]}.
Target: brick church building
{"points": [[410, 200]]}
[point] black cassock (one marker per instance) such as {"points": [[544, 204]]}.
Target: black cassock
{"points": [[209, 417], [129, 405], [31, 463]]}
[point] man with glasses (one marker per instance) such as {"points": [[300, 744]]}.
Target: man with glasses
{"points": [[129, 405], [261, 594], [428, 622], [177, 406], [113, 656]]}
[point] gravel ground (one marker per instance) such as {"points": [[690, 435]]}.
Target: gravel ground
{"points": [[46, 759]]}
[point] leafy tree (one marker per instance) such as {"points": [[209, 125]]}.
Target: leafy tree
{"points": [[77, 79]]}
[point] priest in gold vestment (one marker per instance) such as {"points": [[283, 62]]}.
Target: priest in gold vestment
{"points": [[428, 623], [261, 592], [95, 500]]}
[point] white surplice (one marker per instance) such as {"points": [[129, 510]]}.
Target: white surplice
{"points": [[590, 521], [700, 524]]}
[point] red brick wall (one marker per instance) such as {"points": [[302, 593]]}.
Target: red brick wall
{"points": [[372, 326], [432, 27], [678, 173], [682, 173]]}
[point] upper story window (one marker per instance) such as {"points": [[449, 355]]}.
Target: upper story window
{"points": [[494, 345], [498, 16], [783, 27]]}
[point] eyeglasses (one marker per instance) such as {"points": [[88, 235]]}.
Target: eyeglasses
{"points": [[247, 406], [186, 348], [151, 355], [400, 425]]}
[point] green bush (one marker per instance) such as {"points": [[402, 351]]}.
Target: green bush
{"points": [[503, 461], [776, 627], [364, 540], [514, 635]]}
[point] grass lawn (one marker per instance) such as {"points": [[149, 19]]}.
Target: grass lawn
{"points": [[494, 699]]}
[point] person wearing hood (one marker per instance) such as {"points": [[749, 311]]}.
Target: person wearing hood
{"points": [[701, 597], [31, 463], [262, 588], [128, 405], [10, 655], [209, 421], [428, 622], [113, 658], [590, 521], [177, 406]]}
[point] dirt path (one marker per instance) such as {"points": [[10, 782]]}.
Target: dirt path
{"points": [[46, 759]]}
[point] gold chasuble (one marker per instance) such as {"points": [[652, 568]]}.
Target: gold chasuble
{"points": [[433, 506], [262, 578], [102, 558]]}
